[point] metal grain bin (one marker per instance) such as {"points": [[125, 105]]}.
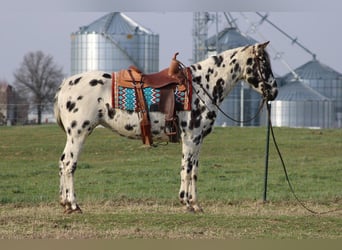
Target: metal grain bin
{"points": [[323, 79], [114, 42], [299, 105]]}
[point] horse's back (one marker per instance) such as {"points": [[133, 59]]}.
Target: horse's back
{"points": [[81, 96]]}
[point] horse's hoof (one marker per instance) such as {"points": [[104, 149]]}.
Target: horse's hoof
{"points": [[197, 209], [77, 210]]}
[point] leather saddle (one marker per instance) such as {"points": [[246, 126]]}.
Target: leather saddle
{"points": [[174, 75], [166, 80]]}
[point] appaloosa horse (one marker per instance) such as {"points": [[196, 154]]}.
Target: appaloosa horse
{"points": [[84, 101]]}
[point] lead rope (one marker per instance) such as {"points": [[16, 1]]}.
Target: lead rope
{"points": [[262, 102], [287, 176]]}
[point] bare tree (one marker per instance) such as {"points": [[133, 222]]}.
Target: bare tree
{"points": [[38, 78]]}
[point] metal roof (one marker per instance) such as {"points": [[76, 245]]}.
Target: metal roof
{"points": [[314, 70], [115, 23], [299, 91], [230, 38]]}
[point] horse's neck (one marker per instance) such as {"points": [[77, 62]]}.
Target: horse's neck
{"points": [[217, 74]]}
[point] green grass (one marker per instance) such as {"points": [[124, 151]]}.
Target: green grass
{"points": [[130, 191]]}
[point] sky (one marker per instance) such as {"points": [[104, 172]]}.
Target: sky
{"points": [[38, 27]]}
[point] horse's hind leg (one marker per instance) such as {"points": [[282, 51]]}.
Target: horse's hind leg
{"points": [[67, 168]]}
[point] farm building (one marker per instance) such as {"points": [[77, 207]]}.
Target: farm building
{"points": [[12, 109], [114, 42]]}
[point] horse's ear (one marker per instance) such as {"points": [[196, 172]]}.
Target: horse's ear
{"points": [[264, 45]]}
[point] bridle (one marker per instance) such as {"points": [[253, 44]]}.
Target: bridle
{"points": [[265, 92]]}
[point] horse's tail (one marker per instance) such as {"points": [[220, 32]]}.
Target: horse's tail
{"points": [[57, 110]]}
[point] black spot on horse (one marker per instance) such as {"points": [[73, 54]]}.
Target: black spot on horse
{"points": [[70, 105], [73, 124], [207, 132], [254, 81], [232, 61], [99, 99], [75, 110], [94, 82], [236, 67], [85, 124], [62, 157], [75, 81], [110, 111], [197, 79], [73, 168], [183, 123], [244, 48], [106, 75], [218, 60], [100, 113], [193, 67], [231, 57], [79, 98], [218, 91], [128, 127], [211, 115], [197, 140], [199, 67], [249, 61]]}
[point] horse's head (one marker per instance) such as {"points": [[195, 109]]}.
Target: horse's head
{"points": [[258, 72]]}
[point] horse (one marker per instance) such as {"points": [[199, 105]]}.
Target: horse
{"points": [[83, 102]]}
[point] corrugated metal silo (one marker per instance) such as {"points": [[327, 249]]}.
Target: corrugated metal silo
{"points": [[323, 79], [242, 102], [299, 105], [114, 42]]}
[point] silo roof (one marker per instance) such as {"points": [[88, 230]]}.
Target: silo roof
{"points": [[299, 91], [115, 23], [231, 38], [314, 70]]}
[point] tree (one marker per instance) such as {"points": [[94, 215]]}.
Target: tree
{"points": [[37, 79]]}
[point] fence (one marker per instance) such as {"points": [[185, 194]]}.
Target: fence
{"points": [[23, 114]]}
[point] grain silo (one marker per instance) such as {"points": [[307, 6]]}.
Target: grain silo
{"points": [[242, 102], [324, 80], [299, 105], [114, 42]]}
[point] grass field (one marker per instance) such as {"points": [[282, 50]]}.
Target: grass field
{"points": [[129, 191]]}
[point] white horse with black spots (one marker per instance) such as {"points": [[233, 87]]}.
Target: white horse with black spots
{"points": [[84, 101]]}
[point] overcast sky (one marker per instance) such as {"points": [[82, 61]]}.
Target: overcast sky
{"points": [[49, 30]]}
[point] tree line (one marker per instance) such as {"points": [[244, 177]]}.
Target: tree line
{"points": [[36, 81]]}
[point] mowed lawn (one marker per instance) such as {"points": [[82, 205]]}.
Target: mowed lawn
{"points": [[129, 191]]}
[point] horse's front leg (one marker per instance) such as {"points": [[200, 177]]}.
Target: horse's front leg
{"points": [[189, 175]]}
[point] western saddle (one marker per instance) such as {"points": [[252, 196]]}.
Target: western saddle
{"points": [[167, 80]]}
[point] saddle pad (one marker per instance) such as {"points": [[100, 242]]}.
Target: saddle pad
{"points": [[124, 98]]}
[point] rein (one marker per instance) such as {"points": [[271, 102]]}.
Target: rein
{"points": [[287, 176], [224, 113]]}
